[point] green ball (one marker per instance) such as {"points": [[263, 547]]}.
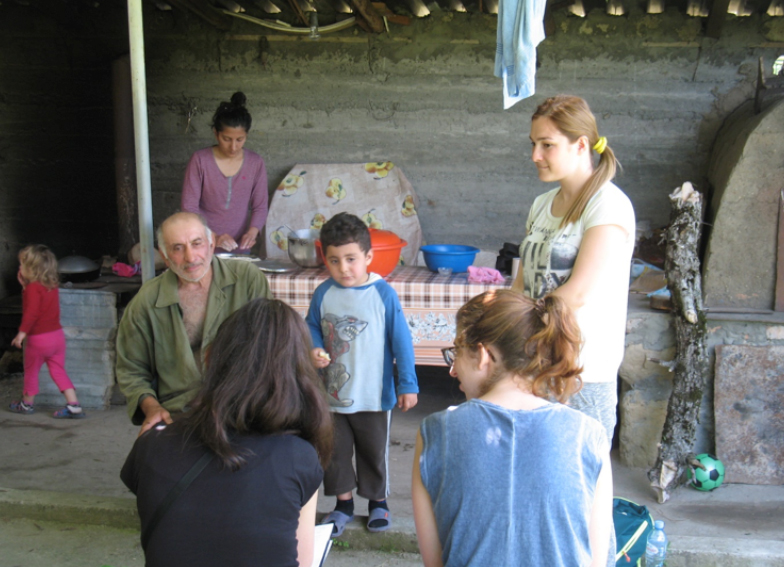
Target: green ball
{"points": [[708, 478]]}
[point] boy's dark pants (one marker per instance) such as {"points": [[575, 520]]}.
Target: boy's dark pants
{"points": [[368, 431]]}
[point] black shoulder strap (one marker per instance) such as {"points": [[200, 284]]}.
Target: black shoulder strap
{"points": [[174, 493]]}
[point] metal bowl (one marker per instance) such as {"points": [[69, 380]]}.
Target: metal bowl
{"points": [[302, 248], [78, 269]]}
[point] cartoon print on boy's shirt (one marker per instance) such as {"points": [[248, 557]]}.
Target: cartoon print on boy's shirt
{"points": [[338, 332], [550, 271]]}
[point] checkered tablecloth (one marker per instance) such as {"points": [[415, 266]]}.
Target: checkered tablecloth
{"points": [[416, 286]]}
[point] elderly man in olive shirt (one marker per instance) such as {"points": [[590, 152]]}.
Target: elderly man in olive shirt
{"points": [[166, 329]]}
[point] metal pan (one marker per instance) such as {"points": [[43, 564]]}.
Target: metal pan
{"points": [[276, 266], [232, 256]]}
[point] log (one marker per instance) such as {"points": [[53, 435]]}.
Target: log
{"points": [[682, 266]]}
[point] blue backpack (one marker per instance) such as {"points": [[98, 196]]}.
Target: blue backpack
{"points": [[633, 523]]}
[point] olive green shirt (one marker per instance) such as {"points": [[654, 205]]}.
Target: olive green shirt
{"points": [[153, 346]]}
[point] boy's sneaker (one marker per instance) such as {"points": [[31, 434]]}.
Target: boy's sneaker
{"points": [[69, 412], [21, 407]]}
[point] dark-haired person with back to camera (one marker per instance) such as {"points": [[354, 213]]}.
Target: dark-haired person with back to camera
{"points": [[226, 182], [263, 420]]}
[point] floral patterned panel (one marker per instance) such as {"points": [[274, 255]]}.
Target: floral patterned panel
{"points": [[377, 192]]}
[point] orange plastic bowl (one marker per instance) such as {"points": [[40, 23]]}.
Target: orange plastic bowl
{"points": [[386, 246]]}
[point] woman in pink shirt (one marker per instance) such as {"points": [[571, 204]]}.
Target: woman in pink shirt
{"points": [[226, 183]]}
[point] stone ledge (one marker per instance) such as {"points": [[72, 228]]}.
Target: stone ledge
{"points": [[70, 508], [685, 551]]}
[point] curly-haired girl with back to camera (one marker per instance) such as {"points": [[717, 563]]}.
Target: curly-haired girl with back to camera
{"points": [[513, 476]]}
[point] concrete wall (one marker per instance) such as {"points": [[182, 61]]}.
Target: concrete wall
{"points": [[422, 96], [425, 98]]}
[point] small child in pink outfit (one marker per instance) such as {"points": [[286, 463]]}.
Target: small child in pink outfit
{"points": [[41, 327]]}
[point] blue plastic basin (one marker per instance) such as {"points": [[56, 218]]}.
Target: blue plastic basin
{"points": [[455, 256]]}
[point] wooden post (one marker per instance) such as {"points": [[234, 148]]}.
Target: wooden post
{"points": [[682, 267]]}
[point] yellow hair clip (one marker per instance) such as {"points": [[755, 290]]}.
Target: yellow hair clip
{"points": [[600, 145]]}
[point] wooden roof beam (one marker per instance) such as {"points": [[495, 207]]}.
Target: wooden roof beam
{"points": [[384, 10], [300, 14], [371, 16]]}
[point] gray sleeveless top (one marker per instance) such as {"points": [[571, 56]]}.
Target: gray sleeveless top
{"points": [[512, 487]]}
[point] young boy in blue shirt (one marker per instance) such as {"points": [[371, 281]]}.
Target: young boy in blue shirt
{"points": [[359, 330]]}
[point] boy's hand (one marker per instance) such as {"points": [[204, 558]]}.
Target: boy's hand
{"points": [[406, 401], [320, 358]]}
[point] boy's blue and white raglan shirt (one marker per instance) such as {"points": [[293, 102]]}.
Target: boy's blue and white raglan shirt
{"points": [[364, 331]]}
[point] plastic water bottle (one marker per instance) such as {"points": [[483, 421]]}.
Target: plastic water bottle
{"points": [[656, 548]]}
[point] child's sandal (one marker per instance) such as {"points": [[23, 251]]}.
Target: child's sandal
{"points": [[67, 413], [338, 520], [21, 407], [378, 520]]}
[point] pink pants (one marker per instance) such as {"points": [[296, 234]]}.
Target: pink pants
{"points": [[48, 348]]}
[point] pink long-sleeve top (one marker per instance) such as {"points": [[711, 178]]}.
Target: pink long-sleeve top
{"points": [[40, 309], [225, 201]]}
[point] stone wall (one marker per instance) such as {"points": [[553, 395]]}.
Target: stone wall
{"points": [[747, 173], [422, 96], [647, 382]]}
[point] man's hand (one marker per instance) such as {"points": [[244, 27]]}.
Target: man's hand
{"points": [[320, 358], [249, 238], [226, 242], [406, 401], [153, 413], [19, 339]]}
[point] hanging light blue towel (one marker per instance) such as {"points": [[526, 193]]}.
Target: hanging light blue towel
{"points": [[520, 30]]}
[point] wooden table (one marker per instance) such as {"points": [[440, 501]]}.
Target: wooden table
{"points": [[430, 302]]}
